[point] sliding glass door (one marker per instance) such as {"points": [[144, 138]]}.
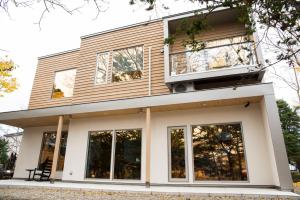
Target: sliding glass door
{"points": [[114, 154]]}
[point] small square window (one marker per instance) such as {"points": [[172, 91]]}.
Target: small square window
{"points": [[63, 84]]}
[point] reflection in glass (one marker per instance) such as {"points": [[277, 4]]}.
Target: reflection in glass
{"points": [[219, 152], [128, 154], [102, 66], [177, 146], [218, 54], [127, 64], [99, 154], [47, 149], [64, 84]]}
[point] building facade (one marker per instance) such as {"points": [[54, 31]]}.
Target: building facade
{"points": [[125, 108]]}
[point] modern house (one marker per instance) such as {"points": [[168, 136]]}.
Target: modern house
{"points": [[125, 108]]}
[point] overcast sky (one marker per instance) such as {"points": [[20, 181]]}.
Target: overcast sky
{"points": [[23, 41]]}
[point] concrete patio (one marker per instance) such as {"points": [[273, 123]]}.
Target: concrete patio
{"points": [[21, 190]]}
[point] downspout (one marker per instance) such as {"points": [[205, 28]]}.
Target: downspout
{"points": [[149, 72]]}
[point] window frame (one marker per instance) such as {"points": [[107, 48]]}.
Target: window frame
{"points": [[112, 64], [186, 179], [53, 82], [87, 154], [112, 161], [42, 142], [192, 154], [114, 155], [107, 70]]}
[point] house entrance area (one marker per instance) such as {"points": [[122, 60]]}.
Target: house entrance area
{"points": [[45, 163], [47, 149]]}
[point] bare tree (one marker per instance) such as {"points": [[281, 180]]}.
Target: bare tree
{"points": [[50, 5]]}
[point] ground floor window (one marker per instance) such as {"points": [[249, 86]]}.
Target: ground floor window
{"points": [[217, 152], [99, 154], [114, 154], [47, 149], [177, 153]]}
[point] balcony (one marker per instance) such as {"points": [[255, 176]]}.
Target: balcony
{"points": [[231, 53], [228, 50]]}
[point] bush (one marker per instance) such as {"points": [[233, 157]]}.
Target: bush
{"points": [[296, 177]]}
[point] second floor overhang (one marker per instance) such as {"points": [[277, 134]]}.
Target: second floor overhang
{"points": [[199, 99], [227, 47]]}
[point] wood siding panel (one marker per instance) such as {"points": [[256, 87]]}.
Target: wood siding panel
{"points": [[84, 60], [44, 79], [85, 91], [213, 33], [150, 35]]}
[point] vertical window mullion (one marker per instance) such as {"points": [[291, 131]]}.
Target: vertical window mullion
{"points": [[112, 161]]}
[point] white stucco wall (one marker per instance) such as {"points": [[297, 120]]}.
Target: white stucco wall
{"points": [[30, 150], [77, 144], [255, 139], [257, 154]]}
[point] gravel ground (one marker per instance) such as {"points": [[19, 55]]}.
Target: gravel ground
{"points": [[47, 193], [297, 190]]}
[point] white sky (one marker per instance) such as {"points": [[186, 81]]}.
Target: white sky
{"points": [[24, 41]]}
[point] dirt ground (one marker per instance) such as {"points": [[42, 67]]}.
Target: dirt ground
{"points": [[46, 193]]}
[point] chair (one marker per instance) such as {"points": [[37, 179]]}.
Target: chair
{"points": [[44, 171]]}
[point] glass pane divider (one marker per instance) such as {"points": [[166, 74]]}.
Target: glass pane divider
{"points": [[112, 161]]}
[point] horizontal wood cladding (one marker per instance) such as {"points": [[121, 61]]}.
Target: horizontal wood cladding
{"points": [[86, 91], [150, 36], [44, 79], [213, 33]]}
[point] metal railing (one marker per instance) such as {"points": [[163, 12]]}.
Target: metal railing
{"points": [[213, 58]]}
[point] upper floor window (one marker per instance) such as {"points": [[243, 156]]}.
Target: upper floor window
{"points": [[102, 66], [64, 84], [127, 64]]}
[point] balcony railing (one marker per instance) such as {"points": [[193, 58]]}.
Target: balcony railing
{"points": [[230, 54]]}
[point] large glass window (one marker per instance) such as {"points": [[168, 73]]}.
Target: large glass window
{"points": [[47, 149], [217, 54], [64, 84], [128, 154], [102, 66], [99, 154], [177, 153], [114, 154], [127, 64], [218, 152]]}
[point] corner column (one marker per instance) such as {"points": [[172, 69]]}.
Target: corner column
{"points": [[148, 146], [276, 142], [56, 148]]}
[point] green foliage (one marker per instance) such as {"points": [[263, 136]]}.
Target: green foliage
{"points": [[283, 16], [290, 124], [3, 151], [296, 177]]}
